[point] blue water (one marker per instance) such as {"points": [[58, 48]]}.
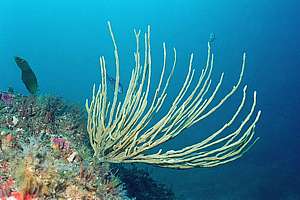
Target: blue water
{"points": [[63, 40]]}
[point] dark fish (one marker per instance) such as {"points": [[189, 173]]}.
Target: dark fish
{"points": [[28, 76], [112, 82]]}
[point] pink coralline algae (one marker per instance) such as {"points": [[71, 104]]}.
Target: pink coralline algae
{"points": [[60, 143], [7, 98]]}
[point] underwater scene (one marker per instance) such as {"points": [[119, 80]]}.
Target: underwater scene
{"points": [[149, 100]]}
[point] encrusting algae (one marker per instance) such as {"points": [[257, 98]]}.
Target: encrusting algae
{"points": [[42, 158]]}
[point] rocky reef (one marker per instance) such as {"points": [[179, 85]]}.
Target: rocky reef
{"points": [[45, 154]]}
